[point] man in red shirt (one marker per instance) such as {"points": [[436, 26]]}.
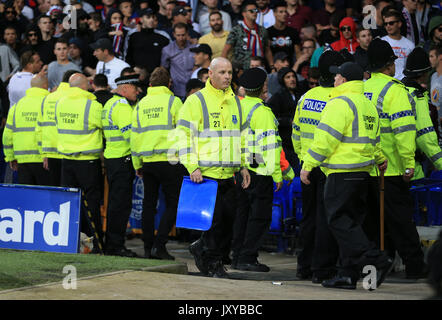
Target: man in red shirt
{"points": [[298, 15]]}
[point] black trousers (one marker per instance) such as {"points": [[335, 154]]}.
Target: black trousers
{"points": [[33, 174], [215, 239], [345, 200], [400, 230], [86, 175], [54, 172], [318, 249], [120, 176], [253, 217], [169, 177]]}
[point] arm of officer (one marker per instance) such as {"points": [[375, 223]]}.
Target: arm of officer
{"points": [[403, 125], [38, 132], [296, 130], [379, 156], [426, 138], [269, 142], [123, 117], [134, 140], [8, 137], [187, 128]]}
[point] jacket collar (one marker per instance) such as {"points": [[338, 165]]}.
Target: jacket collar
{"points": [[356, 86], [36, 92], [78, 92], [221, 94], [159, 90]]}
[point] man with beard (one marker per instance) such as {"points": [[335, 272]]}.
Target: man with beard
{"points": [[145, 46], [216, 39]]}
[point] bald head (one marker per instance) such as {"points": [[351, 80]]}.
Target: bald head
{"points": [[220, 73], [39, 81], [218, 62], [79, 80]]}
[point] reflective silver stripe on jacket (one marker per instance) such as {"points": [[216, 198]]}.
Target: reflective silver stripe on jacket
{"points": [[218, 163], [381, 97], [168, 126], [82, 152], [348, 166], [85, 122], [26, 152], [153, 152], [436, 157]]}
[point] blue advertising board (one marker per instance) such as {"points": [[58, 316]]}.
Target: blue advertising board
{"points": [[39, 218]]}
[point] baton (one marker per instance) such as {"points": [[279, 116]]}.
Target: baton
{"points": [[382, 211], [91, 222]]}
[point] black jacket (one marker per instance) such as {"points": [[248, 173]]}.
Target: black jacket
{"points": [[283, 106], [145, 49]]}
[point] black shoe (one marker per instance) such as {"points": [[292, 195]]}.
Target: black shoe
{"points": [[161, 254], [217, 270], [340, 282], [255, 266], [123, 252], [321, 278], [196, 249], [382, 270]]}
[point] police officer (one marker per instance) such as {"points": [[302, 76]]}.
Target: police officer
{"points": [[80, 142], [210, 147], [254, 212], [398, 142], [416, 74], [318, 249], [156, 160], [20, 143], [47, 131], [346, 145], [116, 120]]}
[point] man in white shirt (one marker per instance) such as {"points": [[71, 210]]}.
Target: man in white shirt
{"points": [[401, 46], [21, 81], [108, 64]]}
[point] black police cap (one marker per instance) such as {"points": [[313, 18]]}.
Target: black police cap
{"points": [[417, 63], [380, 54], [349, 70], [129, 79], [253, 79]]}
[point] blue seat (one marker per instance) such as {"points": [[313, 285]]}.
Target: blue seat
{"points": [[196, 204], [428, 192], [276, 226]]}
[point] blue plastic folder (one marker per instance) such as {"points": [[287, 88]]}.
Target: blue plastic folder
{"points": [[196, 204]]}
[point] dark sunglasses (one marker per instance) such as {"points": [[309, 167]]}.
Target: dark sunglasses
{"points": [[10, 11], [33, 34], [390, 23], [345, 29], [313, 83], [439, 29], [253, 10]]}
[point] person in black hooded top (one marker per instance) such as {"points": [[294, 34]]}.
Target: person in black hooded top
{"points": [[283, 104]]}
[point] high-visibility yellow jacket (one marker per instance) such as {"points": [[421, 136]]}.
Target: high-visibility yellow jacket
{"points": [[426, 138], [116, 119], [397, 119], [307, 117], [153, 122], [209, 133], [347, 137], [46, 129], [19, 137], [78, 122], [262, 141]]}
